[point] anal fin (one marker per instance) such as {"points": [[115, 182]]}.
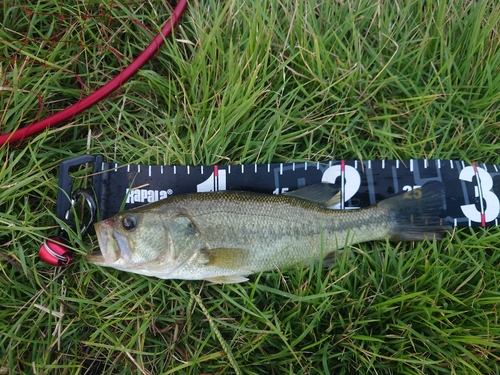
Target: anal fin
{"points": [[330, 258]]}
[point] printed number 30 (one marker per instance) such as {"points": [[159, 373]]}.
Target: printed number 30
{"points": [[492, 202]]}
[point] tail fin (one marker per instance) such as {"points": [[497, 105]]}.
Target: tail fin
{"points": [[415, 215]]}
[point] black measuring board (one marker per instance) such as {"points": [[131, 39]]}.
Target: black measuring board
{"points": [[470, 191]]}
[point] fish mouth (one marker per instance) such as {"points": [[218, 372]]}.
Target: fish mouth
{"points": [[99, 257]]}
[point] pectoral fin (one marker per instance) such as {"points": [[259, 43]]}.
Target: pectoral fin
{"points": [[324, 194], [227, 279], [231, 258]]}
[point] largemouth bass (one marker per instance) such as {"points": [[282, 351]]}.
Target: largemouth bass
{"points": [[226, 236]]}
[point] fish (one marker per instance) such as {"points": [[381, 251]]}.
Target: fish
{"points": [[226, 236]]}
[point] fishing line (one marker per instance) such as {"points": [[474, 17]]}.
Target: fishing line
{"points": [[104, 91]]}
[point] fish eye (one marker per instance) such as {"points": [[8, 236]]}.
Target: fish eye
{"points": [[129, 222]]}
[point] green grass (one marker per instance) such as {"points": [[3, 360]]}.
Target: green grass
{"points": [[250, 82]]}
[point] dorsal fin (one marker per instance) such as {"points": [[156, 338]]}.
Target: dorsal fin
{"points": [[323, 194]]}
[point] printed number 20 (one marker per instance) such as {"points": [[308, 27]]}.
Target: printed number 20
{"points": [[352, 180], [492, 202]]}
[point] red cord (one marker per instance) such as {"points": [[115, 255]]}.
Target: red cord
{"points": [[105, 90]]}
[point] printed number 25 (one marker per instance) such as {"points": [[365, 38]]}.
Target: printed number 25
{"points": [[492, 202]]}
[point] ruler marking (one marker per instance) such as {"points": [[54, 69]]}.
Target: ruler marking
{"points": [[128, 168], [371, 185], [216, 178], [268, 168], [383, 164], [255, 168], [495, 167], [369, 164], [395, 180], [451, 164], [293, 167], [426, 163], [397, 164], [411, 165], [281, 169], [188, 170], [116, 167], [161, 169], [149, 171], [480, 191], [438, 163], [202, 169], [305, 166], [242, 168], [317, 165], [485, 167], [138, 168], [355, 164], [175, 169], [342, 186]]}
